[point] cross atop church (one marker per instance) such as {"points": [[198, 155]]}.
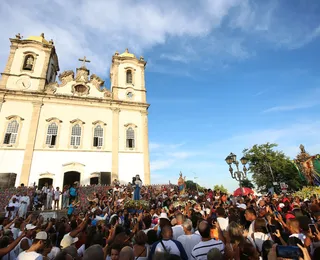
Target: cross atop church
{"points": [[84, 60]]}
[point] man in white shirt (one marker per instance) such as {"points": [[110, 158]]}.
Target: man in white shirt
{"points": [[168, 245], [188, 240], [38, 243], [221, 218], [200, 251], [178, 229]]}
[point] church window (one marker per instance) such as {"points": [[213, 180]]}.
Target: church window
{"points": [[11, 133], [129, 76], [130, 138], [52, 134], [28, 62], [80, 88], [98, 136], [76, 135]]}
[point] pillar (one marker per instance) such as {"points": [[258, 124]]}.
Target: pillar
{"points": [[146, 157], [28, 154], [115, 144]]}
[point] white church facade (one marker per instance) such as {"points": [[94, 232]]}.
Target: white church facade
{"points": [[74, 129]]}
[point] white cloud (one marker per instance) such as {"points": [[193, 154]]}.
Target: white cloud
{"points": [[174, 57], [289, 108], [98, 28]]}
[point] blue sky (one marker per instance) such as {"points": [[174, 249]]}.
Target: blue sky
{"points": [[222, 75]]}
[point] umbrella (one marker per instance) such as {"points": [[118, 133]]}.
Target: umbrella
{"points": [[242, 192]]}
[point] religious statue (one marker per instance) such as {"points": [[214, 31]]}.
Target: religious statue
{"points": [[181, 183], [136, 184], [308, 166]]}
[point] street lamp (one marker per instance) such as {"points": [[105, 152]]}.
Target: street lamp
{"points": [[237, 175]]}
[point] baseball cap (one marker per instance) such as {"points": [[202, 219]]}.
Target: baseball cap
{"points": [[30, 227], [42, 235], [68, 240]]}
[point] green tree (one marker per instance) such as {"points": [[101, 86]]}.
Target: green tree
{"points": [[220, 188], [268, 165], [247, 183], [191, 185]]}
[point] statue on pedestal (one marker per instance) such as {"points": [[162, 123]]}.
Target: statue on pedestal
{"points": [[181, 184], [309, 166], [136, 184]]}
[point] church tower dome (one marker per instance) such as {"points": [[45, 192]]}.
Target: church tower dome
{"points": [[38, 38]]}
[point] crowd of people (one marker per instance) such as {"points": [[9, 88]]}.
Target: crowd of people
{"points": [[166, 225]]}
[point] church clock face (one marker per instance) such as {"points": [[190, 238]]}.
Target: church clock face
{"points": [[24, 83]]}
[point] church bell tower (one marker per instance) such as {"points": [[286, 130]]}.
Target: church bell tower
{"points": [[32, 63]]}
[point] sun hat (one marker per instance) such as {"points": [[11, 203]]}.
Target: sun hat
{"points": [[42, 235], [30, 227], [164, 215], [68, 240]]}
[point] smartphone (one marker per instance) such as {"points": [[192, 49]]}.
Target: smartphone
{"points": [[313, 229], [272, 229], [290, 252], [276, 213]]}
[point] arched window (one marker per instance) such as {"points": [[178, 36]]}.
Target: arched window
{"points": [[129, 76], [11, 133], [76, 135], [52, 134], [28, 62], [98, 136], [130, 138]]}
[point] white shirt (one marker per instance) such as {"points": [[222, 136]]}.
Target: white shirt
{"points": [[53, 253], [170, 247], [258, 240], [177, 231], [223, 223], [29, 256], [188, 242], [200, 251], [301, 236]]}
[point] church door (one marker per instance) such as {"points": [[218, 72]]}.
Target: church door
{"points": [[94, 181], [70, 178], [105, 178], [43, 181]]}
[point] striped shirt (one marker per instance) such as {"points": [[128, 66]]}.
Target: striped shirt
{"points": [[200, 251]]}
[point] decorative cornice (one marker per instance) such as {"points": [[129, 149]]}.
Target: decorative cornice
{"points": [[77, 121], [14, 117], [99, 122], [66, 77], [53, 119], [130, 124], [96, 81], [73, 164]]}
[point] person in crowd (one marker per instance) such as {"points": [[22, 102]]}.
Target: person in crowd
{"points": [[178, 228], [24, 204], [65, 197], [188, 240], [168, 245], [50, 193], [57, 194], [37, 244], [223, 221], [200, 251], [73, 193]]}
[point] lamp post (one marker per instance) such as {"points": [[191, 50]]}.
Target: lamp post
{"points": [[237, 175]]}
